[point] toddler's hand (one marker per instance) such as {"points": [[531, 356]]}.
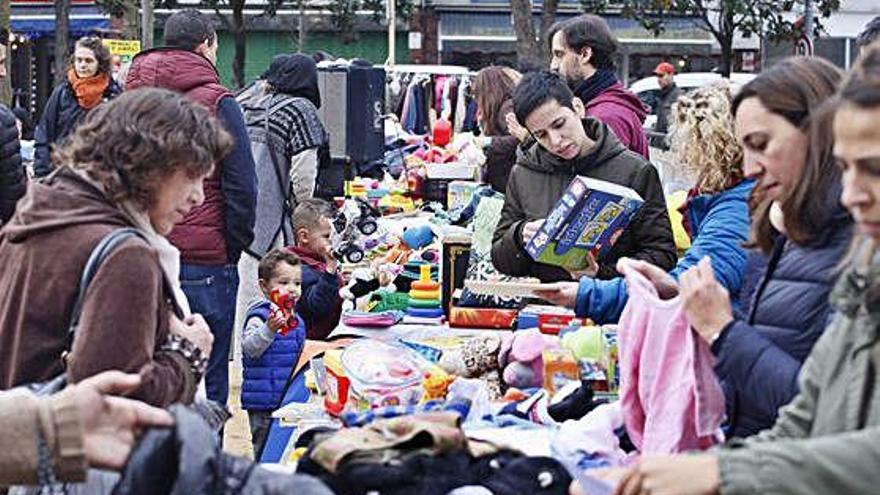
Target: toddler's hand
{"points": [[277, 321]]}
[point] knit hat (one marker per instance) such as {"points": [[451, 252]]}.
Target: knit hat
{"points": [[295, 75]]}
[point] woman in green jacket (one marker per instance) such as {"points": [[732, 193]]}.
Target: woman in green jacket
{"points": [[826, 440]]}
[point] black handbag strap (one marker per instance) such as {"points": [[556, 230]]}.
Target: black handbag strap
{"points": [[109, 243], [288, 193]]}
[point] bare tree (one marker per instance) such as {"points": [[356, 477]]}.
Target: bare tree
{"points": [[723, 19], [531, 47], [62, 36]]}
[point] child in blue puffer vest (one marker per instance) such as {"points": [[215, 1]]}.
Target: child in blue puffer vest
{"points": [[271, 342]]}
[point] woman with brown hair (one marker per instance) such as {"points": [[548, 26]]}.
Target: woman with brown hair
{"points": [[137, 162], [787, 145], [89, 82], [493, 92]]}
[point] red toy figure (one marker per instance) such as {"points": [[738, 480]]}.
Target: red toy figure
{"points": [[284, 302]]}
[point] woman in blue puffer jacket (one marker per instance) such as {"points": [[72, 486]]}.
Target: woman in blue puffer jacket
{"points": [[716, 214]]}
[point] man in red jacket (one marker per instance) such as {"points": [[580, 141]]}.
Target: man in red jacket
{"points": [[582, 50], [212, 236]]}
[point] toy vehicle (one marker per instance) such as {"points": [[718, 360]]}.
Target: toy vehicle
{"points": [[354, 220]]}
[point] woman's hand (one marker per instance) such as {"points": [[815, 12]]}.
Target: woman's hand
{"points": [[515, 129], [672, 475], [195, 329], [111, 425], [666, 286], [561, 293], [706, 302]]}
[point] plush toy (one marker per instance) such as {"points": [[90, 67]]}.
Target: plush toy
{"points": [[365, 281], [418, 237], [477, 357], [522, 362]]}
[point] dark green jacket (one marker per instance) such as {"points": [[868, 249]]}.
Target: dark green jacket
{"points": [[539, 179], [827, 440]]}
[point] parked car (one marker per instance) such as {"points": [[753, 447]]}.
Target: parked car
{"points": [[648, 90]]}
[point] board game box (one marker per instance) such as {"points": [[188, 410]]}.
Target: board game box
{"points": [[590, 217]]}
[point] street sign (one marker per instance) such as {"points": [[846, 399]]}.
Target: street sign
{"points": [[126, 49]]}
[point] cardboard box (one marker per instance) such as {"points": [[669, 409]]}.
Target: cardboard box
{"points": [[482, 317], [589, 218]]}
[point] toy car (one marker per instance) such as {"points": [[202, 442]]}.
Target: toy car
{"points": [[355, 220]]}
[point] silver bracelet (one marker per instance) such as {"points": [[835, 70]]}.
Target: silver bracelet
{"points": [[198, 362]]}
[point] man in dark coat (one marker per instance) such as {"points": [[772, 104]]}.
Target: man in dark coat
{"points": [[669, 93], [569, 145], [12, 177]]}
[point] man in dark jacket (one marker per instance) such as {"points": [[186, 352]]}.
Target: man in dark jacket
{"points": [[582, 50], [212, 236], [12, 178], [669, 92], [569, 146]]}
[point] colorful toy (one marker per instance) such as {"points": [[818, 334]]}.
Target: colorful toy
{"points": [[442, 132], [523, 362], [285, 304], [354, 220], [560, 367], [338, 383], [418, 237], [424, 296], [436, 385]]}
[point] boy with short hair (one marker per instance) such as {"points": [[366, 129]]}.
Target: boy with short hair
{"points": [[271, 342], [320, 305]]}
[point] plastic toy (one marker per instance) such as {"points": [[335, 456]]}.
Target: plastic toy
{"points": [[436, 386], [354, 220], [523, 361], [285, 303], [424, 296]]}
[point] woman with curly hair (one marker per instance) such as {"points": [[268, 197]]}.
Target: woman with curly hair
{"points": [[89, 82], [137, 162], [716, 214]]}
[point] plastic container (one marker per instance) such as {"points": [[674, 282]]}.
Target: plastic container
{"points": [[383, 374]]}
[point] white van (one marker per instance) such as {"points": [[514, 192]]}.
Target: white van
{"points": [[648, 90]]}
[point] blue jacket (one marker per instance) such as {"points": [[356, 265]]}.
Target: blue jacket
{"points": [[721, 225], [759, 357], [266, 377]]}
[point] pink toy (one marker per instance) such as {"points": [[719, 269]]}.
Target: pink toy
{"points": [[521, 359]]}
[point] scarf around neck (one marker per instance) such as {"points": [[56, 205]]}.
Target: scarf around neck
{"points": [[89, 90], [590, 87], [169, 256]]}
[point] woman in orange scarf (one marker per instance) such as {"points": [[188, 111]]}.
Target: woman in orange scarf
{"points": [[88, 83]]}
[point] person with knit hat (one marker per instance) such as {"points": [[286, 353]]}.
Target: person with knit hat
{"points": [[290, 146], [88, 83], [669, 93]]}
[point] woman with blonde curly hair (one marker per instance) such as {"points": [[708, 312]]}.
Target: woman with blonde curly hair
{"points": [[138, 163], [716, 214]]}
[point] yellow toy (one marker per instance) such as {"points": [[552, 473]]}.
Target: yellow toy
{"points": [[436, 386]]}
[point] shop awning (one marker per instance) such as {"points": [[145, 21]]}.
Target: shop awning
{"points": [[36, 21]]}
